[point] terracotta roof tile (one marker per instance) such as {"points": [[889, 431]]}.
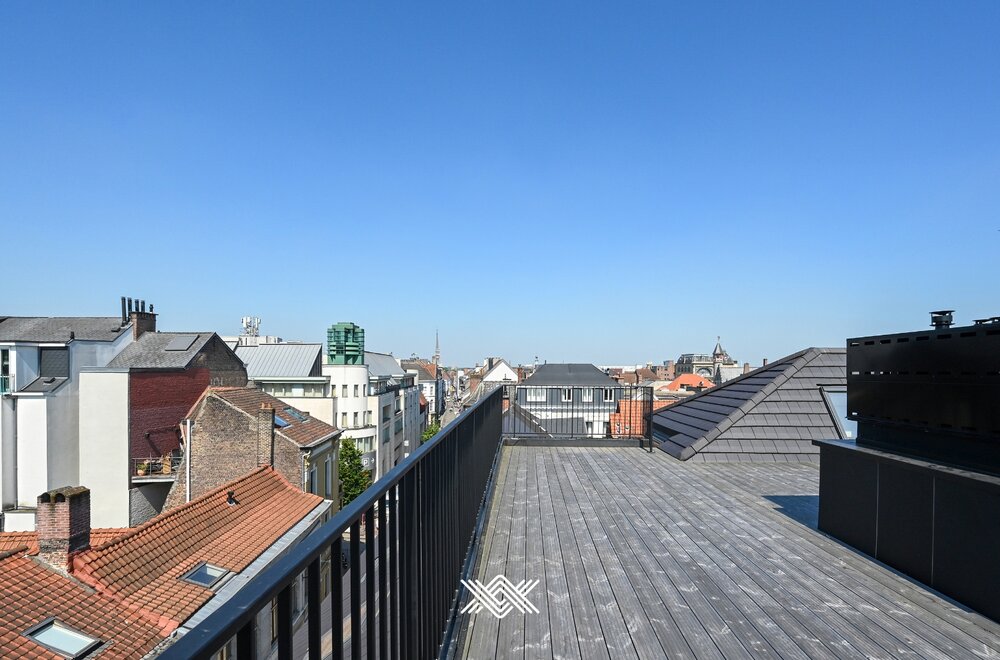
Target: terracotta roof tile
{"points": [[689, 381], [142, 568], [33, 593], [12, 540]]}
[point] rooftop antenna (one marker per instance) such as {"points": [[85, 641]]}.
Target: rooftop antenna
{"points": [[251, 326]]}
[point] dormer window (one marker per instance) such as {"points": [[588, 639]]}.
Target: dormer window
{"points": [[205, 575], [58, 637]]}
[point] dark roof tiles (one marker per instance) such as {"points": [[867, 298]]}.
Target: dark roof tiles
{"points": [[58, 328], [780, 403]]}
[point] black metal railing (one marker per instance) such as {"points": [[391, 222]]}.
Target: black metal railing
{"points": [[577, 412], [418, 523]]}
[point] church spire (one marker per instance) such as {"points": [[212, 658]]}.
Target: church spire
{"points": [[437, 349]]}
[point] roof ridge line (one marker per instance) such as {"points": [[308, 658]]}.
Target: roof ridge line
{"points": [[134, 531]]}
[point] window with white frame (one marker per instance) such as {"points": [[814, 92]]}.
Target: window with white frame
{"points": [[536, 394], [609, 394], [587, 395], [566, 394]]}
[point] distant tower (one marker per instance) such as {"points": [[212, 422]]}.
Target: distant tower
{"points": [[345, 344], [719, 354], [437, 349]]}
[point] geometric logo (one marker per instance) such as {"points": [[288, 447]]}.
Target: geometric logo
{"points": [[500, 597]]}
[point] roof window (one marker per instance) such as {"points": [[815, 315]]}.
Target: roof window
{"points": [[57, 636], [205, 575]]}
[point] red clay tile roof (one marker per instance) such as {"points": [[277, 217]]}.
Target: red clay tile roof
{"points": [[688, 381], [33, 593], [13, 540], [250, 399], [142, 569]]}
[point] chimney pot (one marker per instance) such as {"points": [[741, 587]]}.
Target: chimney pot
{"points": [[62, 521], [942, 319]]}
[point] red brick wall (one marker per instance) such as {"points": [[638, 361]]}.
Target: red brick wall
{"points": [[158, 401]]}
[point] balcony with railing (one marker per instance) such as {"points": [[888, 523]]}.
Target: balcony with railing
{"points": [[611, 550], [156, 468]]}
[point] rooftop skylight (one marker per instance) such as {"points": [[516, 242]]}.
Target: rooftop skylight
{"points": [[57, 636], [205, 575]]}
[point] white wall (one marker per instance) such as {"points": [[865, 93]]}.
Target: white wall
{"points": [[104, 446], [32, 449], [322, 408], [501, 373], [8, 452]]}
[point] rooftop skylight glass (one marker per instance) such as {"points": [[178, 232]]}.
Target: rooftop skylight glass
{"points": [[205, 574], [61, 638]]}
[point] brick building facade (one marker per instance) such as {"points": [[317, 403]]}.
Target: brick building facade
{"points": [[236, 430]]}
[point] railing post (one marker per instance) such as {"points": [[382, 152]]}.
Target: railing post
{"points": [[337, 597], [383, 588], [285, 623], [370, 583], [313, 604]]}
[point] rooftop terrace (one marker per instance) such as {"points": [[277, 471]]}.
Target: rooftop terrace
{"points": [[637, 554], [640, 555]]}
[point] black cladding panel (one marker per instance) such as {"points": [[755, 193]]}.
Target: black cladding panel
{"points": [[848, 493]]}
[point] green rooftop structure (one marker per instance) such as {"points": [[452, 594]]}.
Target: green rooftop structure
{"points": [[345, 344]]}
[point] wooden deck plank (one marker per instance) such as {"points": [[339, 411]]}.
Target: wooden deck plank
{"points": [[643, 555], [914, 626], [537, 640], [483, 628], [563, 635], [642, 639], [511, 633], [587, 622]]}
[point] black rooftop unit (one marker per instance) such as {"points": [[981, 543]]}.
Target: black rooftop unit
{"points": [[932, 394], [920, 487]]}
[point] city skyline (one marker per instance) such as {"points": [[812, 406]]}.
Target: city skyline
{"points": [[585, 184]]}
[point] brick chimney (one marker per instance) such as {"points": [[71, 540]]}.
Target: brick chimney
{"points": [[62, 521], [265, 435], [142, 321]]}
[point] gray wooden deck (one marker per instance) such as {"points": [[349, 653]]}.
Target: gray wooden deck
{"points": [[642, 556]]}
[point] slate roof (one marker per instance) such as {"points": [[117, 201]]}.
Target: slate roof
{"points": [[44, 384], [770, 414], [249, 400], [57, 328], [143, 568], [29, 540], [569, 374], [150, 351], [281, 360], [383, 365], [32, 593]]}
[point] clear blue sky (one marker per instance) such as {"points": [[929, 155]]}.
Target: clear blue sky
{"points": [[614, 183]]}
